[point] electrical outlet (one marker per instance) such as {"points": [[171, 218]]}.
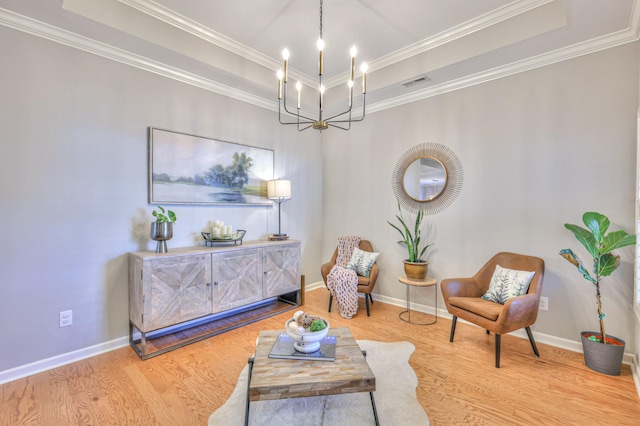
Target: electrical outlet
{"points": [[66, 318], [544, 303]]}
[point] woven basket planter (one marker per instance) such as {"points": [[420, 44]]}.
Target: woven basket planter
{"points": [[605, 359]]}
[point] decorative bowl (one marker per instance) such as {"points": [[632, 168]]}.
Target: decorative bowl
{"points": [[308, 342]]}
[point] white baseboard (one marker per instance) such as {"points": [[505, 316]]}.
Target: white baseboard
{"points": [[60, 360], [571, 345], [635, 371], [77, 355]]}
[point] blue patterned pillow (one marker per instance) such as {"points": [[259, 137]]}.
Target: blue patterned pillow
{"points": [[362, 261], [507, 283]]}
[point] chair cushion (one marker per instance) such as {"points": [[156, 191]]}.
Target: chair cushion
{"points": [[477, 305], [361, 261], [507, 283]]}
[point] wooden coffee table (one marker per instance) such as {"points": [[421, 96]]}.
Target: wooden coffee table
{"points": [[271, 378]]}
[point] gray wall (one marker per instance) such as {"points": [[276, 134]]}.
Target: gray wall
{"points": [[538, 149], [73, 188], [637, 277]]}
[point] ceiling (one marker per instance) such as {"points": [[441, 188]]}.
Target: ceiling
{"points": [[234, 47]]}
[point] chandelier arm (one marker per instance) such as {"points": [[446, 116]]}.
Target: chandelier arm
{"points": [[292, 113], [308, 121], [332, 123], [304, 128], [340, 127], [348, 111], [298, 116], [354, 119]]}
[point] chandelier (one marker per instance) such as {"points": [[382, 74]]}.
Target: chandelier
{"points": [[341, 120]]}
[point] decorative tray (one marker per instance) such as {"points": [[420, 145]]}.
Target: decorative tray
{"points": [[234, 238]]}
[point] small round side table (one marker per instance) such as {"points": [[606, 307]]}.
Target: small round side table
{"points": [[427, 282]]}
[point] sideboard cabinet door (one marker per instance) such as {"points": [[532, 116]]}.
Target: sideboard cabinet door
{"points": [[176, 289], [237, 278], [281, 269]]}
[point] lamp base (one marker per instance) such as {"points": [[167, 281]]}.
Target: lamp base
{"points": [[278, 237]]}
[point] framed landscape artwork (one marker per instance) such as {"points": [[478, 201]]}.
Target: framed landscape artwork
{"points": [[188, 169]]}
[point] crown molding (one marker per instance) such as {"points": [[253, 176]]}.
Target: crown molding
{"points": [[618, 38], [487, 20], [31, 26], [40, 29], [177, 20], [192, 27]]}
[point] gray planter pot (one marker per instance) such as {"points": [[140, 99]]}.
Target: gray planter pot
{"points": [[161, 232], [605, 359]]}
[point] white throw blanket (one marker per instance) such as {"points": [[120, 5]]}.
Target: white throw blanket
{"points": [[342, 282]]}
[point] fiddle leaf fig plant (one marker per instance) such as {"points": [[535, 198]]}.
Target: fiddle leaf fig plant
{"points": [[164, 216], [411, 240], [600, 246]]}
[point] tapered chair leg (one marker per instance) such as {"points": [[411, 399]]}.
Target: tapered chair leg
{"points": [[453, 328], [498, 351], [366, 299], [533, 343], [330, 301]]}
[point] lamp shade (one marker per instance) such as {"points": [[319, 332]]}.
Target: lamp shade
{"points": [[279, 189]]}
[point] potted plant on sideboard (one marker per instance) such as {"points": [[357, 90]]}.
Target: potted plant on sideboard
{"points": [[162, 228], [602, 353], [415, 267]]}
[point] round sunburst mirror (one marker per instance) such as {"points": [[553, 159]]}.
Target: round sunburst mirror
{"points": [[427, 177]]}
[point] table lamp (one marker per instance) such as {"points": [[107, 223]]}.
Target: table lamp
{"points": [[279, 190]]}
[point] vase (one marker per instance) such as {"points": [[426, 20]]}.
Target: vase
{"points": [[605, 359], [161, 232], [416, 270]]}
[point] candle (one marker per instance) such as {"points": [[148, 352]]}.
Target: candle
{"points": [[285, 56], [320, 45], [280, 75], [364, 67], [353, 52]]}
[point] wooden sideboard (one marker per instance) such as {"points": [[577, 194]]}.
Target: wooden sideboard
{"points": [[225, 286]]}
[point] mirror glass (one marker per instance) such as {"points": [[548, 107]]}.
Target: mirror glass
{"points": [[425, 179]]}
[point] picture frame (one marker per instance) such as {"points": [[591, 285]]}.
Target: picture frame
{"points": [[190, 169]]}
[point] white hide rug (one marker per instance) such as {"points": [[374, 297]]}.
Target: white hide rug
{"points": [[395, 397]]}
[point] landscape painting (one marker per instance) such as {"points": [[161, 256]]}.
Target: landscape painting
{"points": [[188, 169]]}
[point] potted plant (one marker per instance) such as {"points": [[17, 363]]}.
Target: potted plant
{"points": [[162, 228], [602, 353], [415, 267]]}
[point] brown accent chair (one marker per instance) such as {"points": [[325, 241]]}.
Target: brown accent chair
{"points": [[463, 297], [365, 285]]}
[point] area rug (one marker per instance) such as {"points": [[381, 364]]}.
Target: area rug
{"points": [[395, 397]]}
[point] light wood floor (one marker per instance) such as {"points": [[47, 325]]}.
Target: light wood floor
{"points": [[458, 383]]}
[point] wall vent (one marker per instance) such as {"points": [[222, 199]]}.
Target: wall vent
{"points": [[415, 81]]}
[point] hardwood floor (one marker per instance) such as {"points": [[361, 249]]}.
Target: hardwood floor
{"points": [[458, 383]]}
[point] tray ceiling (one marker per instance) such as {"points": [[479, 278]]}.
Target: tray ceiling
{"points": [[233, 46]]}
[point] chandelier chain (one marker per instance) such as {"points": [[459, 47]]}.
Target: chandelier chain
{"points": [[320, 18]]}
